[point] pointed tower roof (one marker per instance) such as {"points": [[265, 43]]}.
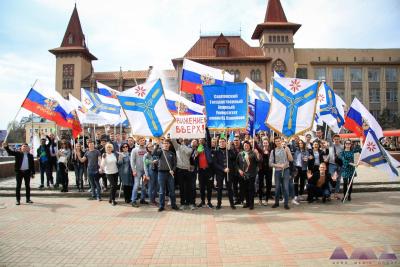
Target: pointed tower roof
{"points": [[74, 39], [275, 18]]}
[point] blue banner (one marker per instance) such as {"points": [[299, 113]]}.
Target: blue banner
{"points": [[226, 106], [261, 113]]}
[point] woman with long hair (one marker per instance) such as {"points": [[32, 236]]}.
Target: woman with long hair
{"points": [[78, 166], [348, 169], [301, 155]]}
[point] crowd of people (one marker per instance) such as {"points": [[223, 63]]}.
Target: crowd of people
{"points": [[243, 166]]}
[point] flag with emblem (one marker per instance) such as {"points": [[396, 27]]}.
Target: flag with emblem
{"points": [[375, 155], [146, 109], [84, 115], [293, 104], [330, 108], [177, 104], [106, 90], [360, 121], [255, 93], [195, 75], [107, 108]]}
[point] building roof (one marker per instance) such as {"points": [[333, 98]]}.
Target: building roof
{"points": [[221, 40], [74, 39], [275, 18], [128, 75], [203, 50]]}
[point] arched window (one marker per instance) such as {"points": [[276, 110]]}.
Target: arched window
{"points": [[255, 75], [70, 39]]}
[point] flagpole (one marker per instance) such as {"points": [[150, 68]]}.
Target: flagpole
{"points": [[16, 115], [94, 130], [351, 182]]}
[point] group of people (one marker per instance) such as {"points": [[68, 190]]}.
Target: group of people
{"points": [[245, 167]]}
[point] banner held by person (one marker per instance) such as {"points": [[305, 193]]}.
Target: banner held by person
{"points": [[146, 109], [261, 113], [226, 106], [293, 105], [188, 127]]}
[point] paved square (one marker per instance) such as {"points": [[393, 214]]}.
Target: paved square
{"points": [[75, 231]]}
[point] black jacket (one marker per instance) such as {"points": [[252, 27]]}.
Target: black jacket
{"points": [[51, 144], [316, 176], [250, 170], [312, 161], [219, 161], [19, 156]]}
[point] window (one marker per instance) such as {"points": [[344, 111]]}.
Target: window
{"points": [[390, 75], [356, 93], [278, 38], [68, 76], [391, 95], [375, 113], [221, 51], [373, 75], [340, 92], [70, 39], [301, 73], [356, 75], [255, 75], [338, 74], [320, 73], [374, 95], [274, 39], [286, 39], [270, 38]]}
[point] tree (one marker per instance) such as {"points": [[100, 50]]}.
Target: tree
{"points": [[17, 132], [389, 120]]}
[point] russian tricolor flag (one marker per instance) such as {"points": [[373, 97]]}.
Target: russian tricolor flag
{"points": [[107, 91], [186, 107], [360, 121], [195, 75], [53, 108]]}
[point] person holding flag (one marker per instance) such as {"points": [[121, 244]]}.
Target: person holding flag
{"points": [[348, 169]]}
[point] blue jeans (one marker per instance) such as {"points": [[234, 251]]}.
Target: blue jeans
{"points": [[282, 176], [166, 179], [45, 168], [79, 175], [138, 180], [332, 169], [153, 184], [291, 188], [95, 185]]}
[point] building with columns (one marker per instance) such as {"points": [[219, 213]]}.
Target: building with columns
{"points": [[372, 75]]}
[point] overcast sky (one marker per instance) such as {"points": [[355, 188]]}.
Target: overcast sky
{"points": [[139, 33]]}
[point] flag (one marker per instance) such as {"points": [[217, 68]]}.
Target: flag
{"points": [[330, 108], [261, 113], [84, 115], [293, 104], [106, 107], [195, 75], [360, 121], [255, 92], [375, 155], [107, 91], [146, 109], [52, 106], [177, 102]]}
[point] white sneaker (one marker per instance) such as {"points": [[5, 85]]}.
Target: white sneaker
{"points": [[294, 201], [183, 207], [192, 207]]}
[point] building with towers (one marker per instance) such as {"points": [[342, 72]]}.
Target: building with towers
{"points": [[371, 75]]}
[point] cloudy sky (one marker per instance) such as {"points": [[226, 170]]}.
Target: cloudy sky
{"points": [[138, 33]]}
